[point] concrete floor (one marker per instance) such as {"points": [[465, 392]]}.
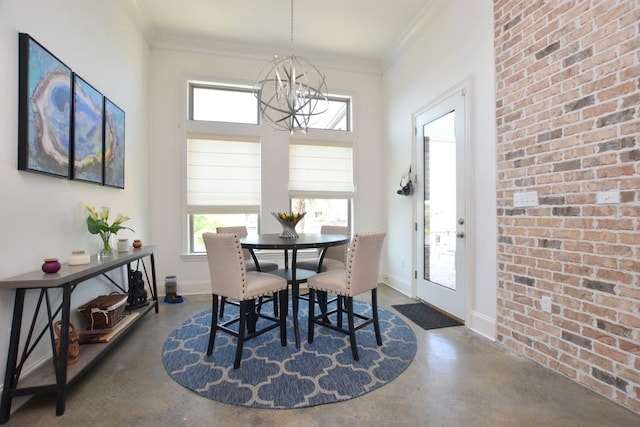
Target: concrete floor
{"points": [[458, 379]]}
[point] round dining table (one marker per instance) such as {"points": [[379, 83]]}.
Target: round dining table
{"points": [[294, 276]]}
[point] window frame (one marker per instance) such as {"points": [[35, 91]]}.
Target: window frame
{"points": [[267, 137], [222, 87]]}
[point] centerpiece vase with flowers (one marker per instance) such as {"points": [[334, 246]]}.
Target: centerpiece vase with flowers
{"points": [[288, 220], [97, 223]]}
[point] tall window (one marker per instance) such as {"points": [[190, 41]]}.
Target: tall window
{"points": [[223, 185], [223, 163], [321, 182]]}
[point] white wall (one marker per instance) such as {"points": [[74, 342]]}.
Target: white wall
{"points": [[169, 69], [455, 43], [44, 216]]}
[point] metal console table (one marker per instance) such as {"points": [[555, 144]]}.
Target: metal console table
{"points": [[55, 376]]}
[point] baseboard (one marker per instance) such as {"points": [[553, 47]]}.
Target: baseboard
{"points": [[399, 285], [483, 325]]}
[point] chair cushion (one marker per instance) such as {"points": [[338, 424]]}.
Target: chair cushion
{"points": [[334, 281], [327, 264], [264, 265], [263, 284]]}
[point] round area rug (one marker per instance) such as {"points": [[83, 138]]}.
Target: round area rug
{"points": [[277, 377]]}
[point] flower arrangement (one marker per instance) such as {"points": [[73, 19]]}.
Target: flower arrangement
{"points": [[97, 223], [288, 220]]}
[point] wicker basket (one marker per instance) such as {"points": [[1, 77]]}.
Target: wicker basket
{"points": [[103, 312]]}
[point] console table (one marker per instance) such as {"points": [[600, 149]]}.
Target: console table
{"points": [[53, 377]]}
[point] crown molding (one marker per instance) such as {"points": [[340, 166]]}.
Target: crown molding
{"points": [[262, 53], [430, 9]]}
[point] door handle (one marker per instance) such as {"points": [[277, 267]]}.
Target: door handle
{"points": [[460, 234]]}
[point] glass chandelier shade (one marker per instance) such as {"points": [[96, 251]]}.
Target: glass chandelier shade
{"points": [[290, 91]]}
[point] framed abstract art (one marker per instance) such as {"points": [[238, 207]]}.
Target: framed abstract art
{"points": [[88, 125], [113, 145], [44, 110]]}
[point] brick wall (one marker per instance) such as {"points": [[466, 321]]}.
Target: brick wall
{"points": [[568, 127]]}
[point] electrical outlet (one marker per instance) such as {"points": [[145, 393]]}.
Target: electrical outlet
{"points": [[523, 200], [546, 304], [608, 197]]}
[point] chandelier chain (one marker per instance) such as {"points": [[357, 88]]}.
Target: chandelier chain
{"points": [[291, 46]]}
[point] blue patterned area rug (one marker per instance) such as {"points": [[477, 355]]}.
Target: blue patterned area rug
{"points": [[276, 377]]}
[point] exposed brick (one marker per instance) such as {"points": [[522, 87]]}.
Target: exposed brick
{"points": [[568, 120], [599, 286], [612, 119], [565, 166], [546, 136], [619, 383], [566, 211], [580, 103], [512, 23], [619, 330], [577, 57], [548, 50], [576, 339], [524, 280]]}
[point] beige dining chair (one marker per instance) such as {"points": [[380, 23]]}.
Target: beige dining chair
{"points": [[242, 231], [359, 275], [230, 279], [249, 262], [335, 255]]}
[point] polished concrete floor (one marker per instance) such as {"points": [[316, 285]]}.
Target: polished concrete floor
{"points": [[457, 379]]}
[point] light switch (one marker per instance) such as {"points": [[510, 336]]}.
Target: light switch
{"points": [[523, 200], [608, 197]]}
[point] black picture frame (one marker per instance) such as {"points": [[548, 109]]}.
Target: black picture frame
{"points": [[88, 132], [114, 139], [44, 110]]}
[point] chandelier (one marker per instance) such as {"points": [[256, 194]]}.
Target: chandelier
{"points": [[290, 91]]}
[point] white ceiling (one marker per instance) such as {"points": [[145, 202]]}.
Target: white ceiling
{"points": [[367, 30]]}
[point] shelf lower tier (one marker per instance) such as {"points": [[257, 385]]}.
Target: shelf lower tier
{"points": [[45, 377]]}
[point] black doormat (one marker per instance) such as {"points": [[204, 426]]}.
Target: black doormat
{"points": [[425, 316]]}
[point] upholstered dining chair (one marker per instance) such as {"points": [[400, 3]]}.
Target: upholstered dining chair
{"points": [[249, 262], [230, 279], [333, 258], [359, 275], [241, 231]]}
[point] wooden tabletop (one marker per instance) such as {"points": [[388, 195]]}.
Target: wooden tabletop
{"points": [[304, 241], [74, 273]]}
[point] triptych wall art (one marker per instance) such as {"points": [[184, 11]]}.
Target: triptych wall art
{"points": [[66, 127]]}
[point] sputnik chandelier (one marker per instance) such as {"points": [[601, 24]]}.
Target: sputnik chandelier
{"points": [[290, 91]]}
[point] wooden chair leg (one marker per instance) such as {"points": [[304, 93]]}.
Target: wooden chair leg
{"points": [[242, 325], [214, 324], [284, 295], [352, 329], [222, 302], [374, 308], [339, 309], [312, 298]]}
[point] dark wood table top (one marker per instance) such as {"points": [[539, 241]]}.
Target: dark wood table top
{"points": [[304, 241]]}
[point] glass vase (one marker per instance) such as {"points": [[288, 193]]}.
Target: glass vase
{"points": [[108, 242]]}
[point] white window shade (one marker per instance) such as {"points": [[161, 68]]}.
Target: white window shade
{"points": [[223, 176], [316, 167]]}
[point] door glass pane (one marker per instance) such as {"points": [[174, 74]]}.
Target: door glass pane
{"points": [[440, 201]]}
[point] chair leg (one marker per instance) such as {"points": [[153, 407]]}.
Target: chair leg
{"points": [[310, 326], [339, 309], [244, 307], [374, 308], [223, 300], [352, 329], [284, 295], [214, 324]]}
